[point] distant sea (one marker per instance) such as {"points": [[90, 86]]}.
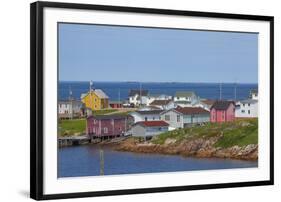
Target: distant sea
{"points": [[114, 89]]}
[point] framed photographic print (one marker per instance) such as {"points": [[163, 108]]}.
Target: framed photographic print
{"points": [[136, 100]]}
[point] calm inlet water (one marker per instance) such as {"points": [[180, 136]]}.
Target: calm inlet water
{"points": [[85, 161]]}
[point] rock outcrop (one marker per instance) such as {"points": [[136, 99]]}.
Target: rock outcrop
{"points": [[200, 147]]}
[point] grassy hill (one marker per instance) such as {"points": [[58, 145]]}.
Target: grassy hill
{"points": [[241, 132]]}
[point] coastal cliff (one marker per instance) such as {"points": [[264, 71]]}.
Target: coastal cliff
{"points": [[237, 140]]}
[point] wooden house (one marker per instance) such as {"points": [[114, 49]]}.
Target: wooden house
{"points": [[182, 117], [108, 125], [95, 99], [68, 109], [186, 98], [138, 97], [246, 108], [254, 94], [146, 115], [223, 111], [115, 104], [148, 128]]}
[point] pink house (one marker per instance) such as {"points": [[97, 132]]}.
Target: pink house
{"points": [[222, 111], [108, 125]]}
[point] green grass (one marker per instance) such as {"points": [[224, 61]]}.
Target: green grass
{"points": [[240, 132], [72, 127], [103, 111], [240, 136]]}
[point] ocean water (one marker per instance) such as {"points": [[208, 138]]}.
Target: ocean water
{"points": [[85, 161], [116, 89]]}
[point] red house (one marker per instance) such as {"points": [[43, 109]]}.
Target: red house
{"points": [[222, 111], [108, 125], [115, 104]]}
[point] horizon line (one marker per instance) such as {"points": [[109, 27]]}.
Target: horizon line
{"points": [[222, 82]]}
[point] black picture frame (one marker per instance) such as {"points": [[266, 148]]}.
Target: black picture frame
{"points": [[36, 98]]}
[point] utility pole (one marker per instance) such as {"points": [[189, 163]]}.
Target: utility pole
{"points": [[118, 97], [140, 95], [220, 91], [235, 91], [90, 92], [71, 104]]}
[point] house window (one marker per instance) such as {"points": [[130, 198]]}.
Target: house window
{"points": [[167, 117], [105, 130], [153, 118], [249, 104], [243, 111], [243, 105], [94, 130], [145, 118], [249, 111], [178, 118]]}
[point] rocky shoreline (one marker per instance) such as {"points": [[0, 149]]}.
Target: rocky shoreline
{"points": [[199, 147]]}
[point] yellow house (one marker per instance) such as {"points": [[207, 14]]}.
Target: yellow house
{"points": [[95, 99]]}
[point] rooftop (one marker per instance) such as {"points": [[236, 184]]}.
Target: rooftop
{"points": [[112, 116], [192, 110], [221, 104], [254, 91], [248, 101], [184, 94], [98, 92], [160, 102], [152, 123], [146, 112], [208, 102]]}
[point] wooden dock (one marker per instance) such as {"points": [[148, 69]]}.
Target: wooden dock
{"points": [[73, 140]]}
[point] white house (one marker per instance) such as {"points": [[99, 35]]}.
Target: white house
{"points": [[186, 98], [70, 108], [152, 97], [254, 94], [146, 115], [164, 104], [138, 97], [205, 104], [246, 108]]}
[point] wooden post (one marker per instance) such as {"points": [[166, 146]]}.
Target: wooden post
{"points": [[101, 162]]}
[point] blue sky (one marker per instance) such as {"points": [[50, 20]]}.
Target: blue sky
{"points": [[114, 53]]}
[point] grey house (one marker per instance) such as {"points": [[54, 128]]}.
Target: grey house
{"points": [[181, 117], [68, 109], [148, 128]]}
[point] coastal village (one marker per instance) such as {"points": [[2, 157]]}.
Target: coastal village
{"points": [[146, 115]]}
